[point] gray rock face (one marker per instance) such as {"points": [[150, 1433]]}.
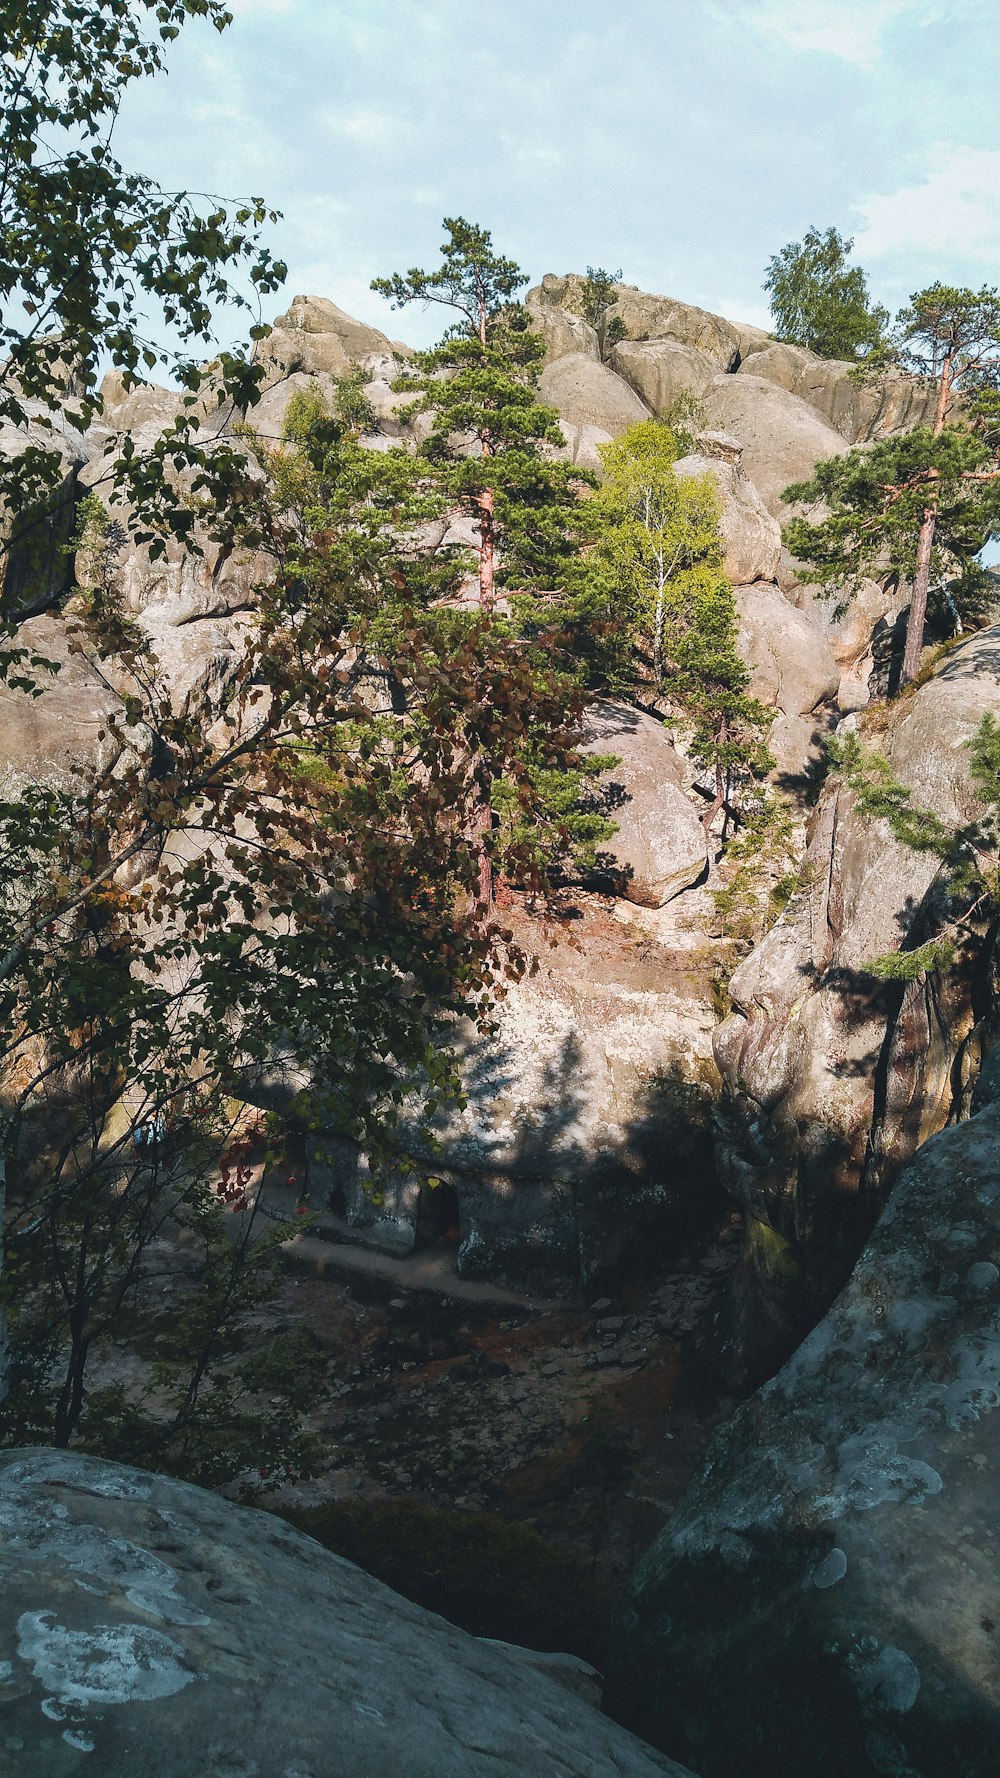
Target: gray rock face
{"points": [[563, 332], [660, 846], [783, 438], [314, 335], [54, 739], [149, 1627], [751, 537], [36, 567], [648, 317], [662, 370], [790, 660], [586, 393], [832, 1078], [825, 1599], [857, 410]]}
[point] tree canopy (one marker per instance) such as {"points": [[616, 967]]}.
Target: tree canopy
{"points": [[921, 503], [821, 302]]}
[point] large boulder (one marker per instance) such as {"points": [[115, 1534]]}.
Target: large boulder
{"points": [[792, 667], [586, 393], [857, 408], [751, 537], [562, 331], [825, 1598], [36, 527], [647, 317], [660, 371], [150, 1627], [314, 335], [783, 438], [660, 846], [584, 1140], [833, 1078]]}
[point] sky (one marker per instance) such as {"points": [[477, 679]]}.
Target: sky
{"points": [[684, 141]]}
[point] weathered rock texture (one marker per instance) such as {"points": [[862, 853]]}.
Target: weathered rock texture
{"points": [[832, 1077], [826, 1598], [659, 848], [857, 409], [751, 536], [151, 1628]]}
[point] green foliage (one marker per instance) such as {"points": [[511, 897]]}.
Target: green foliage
{"points": [[489, 1577], [654, 576], [820, 302], [92, 252], [599, 296], [489, 428], [877, 497], [762, 872]]}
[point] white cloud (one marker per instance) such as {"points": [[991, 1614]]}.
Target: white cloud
{"points": [[849, 29], [371, 129], [953, 210]]}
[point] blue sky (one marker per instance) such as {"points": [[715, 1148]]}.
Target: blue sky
{"points": [[683, 140]]}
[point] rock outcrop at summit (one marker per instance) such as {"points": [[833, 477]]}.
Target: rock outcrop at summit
{"points": [[832, 1077], [151, 1628], [825, 1598]]}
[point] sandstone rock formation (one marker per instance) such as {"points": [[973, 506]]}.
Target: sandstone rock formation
{"points": [[832, 1077], [660, 371], [857, 409], [659, 848], [586, 393], [586, 1130], [825, 1599], [149, 1627], [750, 535], [56, 738], [36, 568], [783, 438]]}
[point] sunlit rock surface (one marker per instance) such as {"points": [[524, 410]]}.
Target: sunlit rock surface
{"points": [[151, 1630], [826, 1600]]}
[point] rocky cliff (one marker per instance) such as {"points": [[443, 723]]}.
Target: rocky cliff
{"points": [[825, 1598]]}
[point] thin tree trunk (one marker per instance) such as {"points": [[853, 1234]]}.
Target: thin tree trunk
{"points": [[913, 647], [720, 785], [918, 601], [486, 594]]}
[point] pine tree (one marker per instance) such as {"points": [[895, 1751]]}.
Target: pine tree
{"points": [[925, 501], [489, 428]]}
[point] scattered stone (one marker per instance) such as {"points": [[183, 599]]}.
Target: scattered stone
{"points": [[602, 1304]]}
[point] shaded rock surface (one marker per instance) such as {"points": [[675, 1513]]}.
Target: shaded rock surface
{"points": [[832, 1077], [151, 1627], [783, 438], [825, 1599], [587, 393], [585, 1134], [858, 410]]}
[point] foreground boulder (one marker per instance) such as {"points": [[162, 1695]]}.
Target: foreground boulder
{"points": [[151, 1628], [825, 1600]]}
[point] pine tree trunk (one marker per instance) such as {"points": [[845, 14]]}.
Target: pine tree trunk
{"points": [[486, 593], [913, 647], [918, 602]]}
